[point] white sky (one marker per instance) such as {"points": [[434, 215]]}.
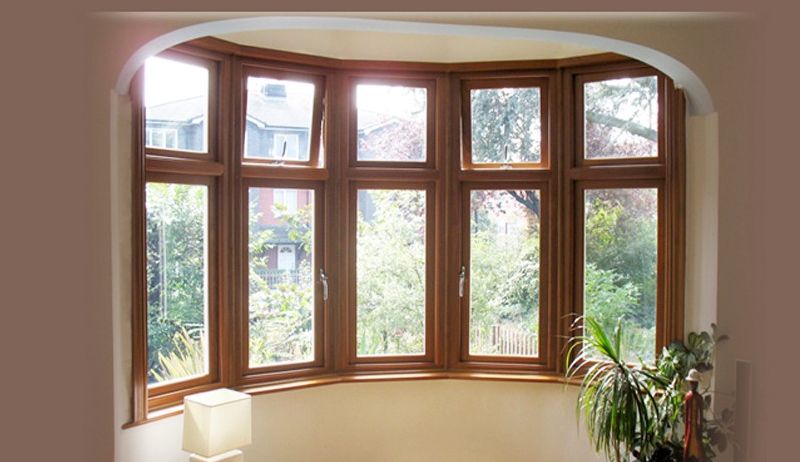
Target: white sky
{"points": [[384, 99], [176, 81]]}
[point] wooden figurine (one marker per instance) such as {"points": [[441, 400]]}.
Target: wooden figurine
{"points": [[693, 421]]}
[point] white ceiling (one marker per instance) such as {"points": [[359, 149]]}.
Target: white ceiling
{"points": [[344, 44], [450, 37]]}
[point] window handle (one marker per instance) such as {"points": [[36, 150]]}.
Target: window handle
{"points": [[324, 279], [462, 275]]}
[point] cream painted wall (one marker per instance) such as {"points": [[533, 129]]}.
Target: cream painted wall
{"points": [[411, 421], [520, 421], [702, 184]]}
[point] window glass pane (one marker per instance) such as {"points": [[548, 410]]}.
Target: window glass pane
{"points": [[621, 118], [504, 272], [281, 299], [392, 123], [621, 236], [176, 105], [278, 122], [177, 281], [391, 272], [506, 125]]}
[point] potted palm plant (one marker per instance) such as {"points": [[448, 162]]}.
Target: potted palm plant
{"points": [[635, 410]]}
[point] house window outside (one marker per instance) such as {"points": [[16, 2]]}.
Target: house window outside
{"points": [[284, 201], [166, 138], [444, 254]]}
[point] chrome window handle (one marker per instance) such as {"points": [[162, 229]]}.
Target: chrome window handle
{"points": [[324, 279], [462, 275]]}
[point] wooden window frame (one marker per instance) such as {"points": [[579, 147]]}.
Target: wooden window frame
{"points": [[161, 394], [616, 72], [278, 71], [258, 374], [429, 83], [541, 81], [180, 167], [335, 177], [209, 61], [547, 355], [378, 363], [666, 172], [662, 338]]}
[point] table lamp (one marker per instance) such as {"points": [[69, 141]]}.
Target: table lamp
{"points": [[215, 424]]}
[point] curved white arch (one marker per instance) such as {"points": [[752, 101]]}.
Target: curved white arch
{"points": [[699, 99]]}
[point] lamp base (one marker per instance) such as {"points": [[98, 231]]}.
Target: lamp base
{"points": [[230, 456]]}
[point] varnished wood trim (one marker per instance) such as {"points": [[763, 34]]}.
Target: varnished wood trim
{"points": [[544, 360], [432, 233], [138, 257], [675, 251], [515, 174], [285, 172], [609, 71], [610, 172], [429, 82], [247, 372], [183, 166], [392, 176], [470, 82]]}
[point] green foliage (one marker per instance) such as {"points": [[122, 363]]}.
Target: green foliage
{"points": [[281, 304], [504, 278], [186, 358], [697, 352], [391, 272], [504, 268], [607, 297], [620, 117], [621, 256], [281, 319], [635, 409], [619, 402], [176, 253], [506, 118]]}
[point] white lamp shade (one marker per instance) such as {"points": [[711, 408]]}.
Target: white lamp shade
{"points": [[216, 421]]}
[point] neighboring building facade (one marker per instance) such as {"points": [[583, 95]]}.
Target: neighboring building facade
{"points": [[276, 129]]}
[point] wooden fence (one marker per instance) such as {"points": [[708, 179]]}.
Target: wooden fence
{"points": [[505, 340]]}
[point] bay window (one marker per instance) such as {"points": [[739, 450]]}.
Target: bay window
{"points": [[303, 220]]}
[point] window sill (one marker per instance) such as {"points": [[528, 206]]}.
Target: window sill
{"points": [[297, 384]]}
